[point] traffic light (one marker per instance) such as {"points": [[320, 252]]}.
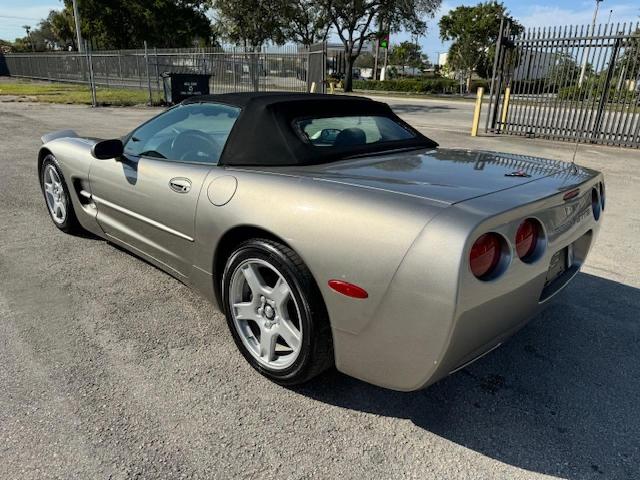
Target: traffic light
{"points": [[384, 39]]}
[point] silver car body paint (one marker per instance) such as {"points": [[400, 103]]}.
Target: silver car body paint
{"points": [[400, 226]]}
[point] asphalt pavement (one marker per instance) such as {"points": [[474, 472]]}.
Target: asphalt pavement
{"points": [[109, 368]]}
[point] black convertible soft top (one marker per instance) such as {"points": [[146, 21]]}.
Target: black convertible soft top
{"points": [[264, 133]]}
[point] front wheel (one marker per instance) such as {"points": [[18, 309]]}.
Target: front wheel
{"points": [[56, 196], [275, 312]]}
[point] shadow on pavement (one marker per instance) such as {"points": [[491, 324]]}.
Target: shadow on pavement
{"points": [[560, 398], [417, 108]]}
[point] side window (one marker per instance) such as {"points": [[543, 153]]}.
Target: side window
{"points": [[188, 133]]}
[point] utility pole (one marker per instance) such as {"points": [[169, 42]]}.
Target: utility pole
{"points": [[76, 16], [377, 52], [593, 32], [375, 59], [383, 74]]}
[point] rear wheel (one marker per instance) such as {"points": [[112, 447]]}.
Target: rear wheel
{"points": [[275, 312], [56, 196]]}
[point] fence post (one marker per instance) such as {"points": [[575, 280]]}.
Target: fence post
{"points": [[92, 84], [155, 54], [505, 108], [146, 61], [476, 112], [233, 68], [495, 88]]}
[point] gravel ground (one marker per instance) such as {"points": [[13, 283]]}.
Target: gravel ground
{"points": [[111, 369]]}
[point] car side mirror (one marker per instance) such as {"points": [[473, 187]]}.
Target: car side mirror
{"points": [[107, 149]]}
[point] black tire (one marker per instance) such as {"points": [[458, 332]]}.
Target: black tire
{"points": [[316, 352], [70, 224]]}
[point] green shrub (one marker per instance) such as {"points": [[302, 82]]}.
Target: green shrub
{"points": [[427, 85], [594, 92]]}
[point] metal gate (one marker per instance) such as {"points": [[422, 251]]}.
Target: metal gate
{"points": [[317, 67], [578, 83]]}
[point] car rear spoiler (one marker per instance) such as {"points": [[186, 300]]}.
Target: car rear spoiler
{"points": [[59, 134]]}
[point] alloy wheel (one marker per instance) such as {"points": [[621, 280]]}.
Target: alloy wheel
{"points": [[54, 194], [265, 313]]}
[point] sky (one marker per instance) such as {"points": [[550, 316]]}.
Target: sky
{"points": [[531, 13]]}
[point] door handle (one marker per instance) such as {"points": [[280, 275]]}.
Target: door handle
{"points": [[180, 185]]}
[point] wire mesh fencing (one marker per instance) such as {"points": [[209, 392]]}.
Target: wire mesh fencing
{"points": [[231, 69]]}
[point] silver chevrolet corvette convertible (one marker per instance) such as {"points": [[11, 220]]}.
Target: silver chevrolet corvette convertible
{"points": [[331, 232]]}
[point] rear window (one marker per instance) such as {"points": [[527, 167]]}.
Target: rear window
{"points": [[350, 131]]}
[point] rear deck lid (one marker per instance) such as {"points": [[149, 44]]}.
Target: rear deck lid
{"points": [[442, 175]]}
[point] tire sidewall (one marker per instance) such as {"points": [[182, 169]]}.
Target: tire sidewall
{"points": [[68, 221], [265, 251]]}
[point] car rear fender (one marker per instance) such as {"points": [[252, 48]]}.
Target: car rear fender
{"points": [[340, 232], [436, 315]]}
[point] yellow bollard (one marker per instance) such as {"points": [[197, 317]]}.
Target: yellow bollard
{"points": [[476, 112], [505, 107], [332, 88]]}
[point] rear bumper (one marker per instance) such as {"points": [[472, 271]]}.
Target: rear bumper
{"points": [[427, 328]]}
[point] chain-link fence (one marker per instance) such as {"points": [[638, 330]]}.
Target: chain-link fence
{"points": [[231, 69]]}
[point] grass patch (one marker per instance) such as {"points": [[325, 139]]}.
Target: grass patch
{"points": [[76, 93]]}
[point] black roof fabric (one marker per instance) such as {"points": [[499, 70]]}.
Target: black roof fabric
{"points": [[264, 133]]}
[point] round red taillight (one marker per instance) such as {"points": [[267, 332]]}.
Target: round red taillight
{"points": [[527, 238], [485, 255]]}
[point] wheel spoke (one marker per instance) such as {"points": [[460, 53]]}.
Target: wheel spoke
{"points": [[268, 344], [289, 333], [254, 279], [245, 310], [48, 187], [280, 294], [63, 209]]}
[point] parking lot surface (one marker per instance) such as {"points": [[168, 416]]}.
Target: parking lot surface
{"points": [[109, 368]]}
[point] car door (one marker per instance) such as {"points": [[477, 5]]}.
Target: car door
{"points": [[147, 199]]}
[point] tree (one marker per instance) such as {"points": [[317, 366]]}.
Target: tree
{"points": [[305, 22], [120, 24], [250, 23], [365, 60], [408, 54], [627, 67], [474, 32], [5, 46], [354, 22], [63, 28]]}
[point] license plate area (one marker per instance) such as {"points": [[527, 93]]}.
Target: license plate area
{"points": [[558, 265]]}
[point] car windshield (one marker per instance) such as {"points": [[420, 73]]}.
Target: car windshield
{"points": [[350, 131]]}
